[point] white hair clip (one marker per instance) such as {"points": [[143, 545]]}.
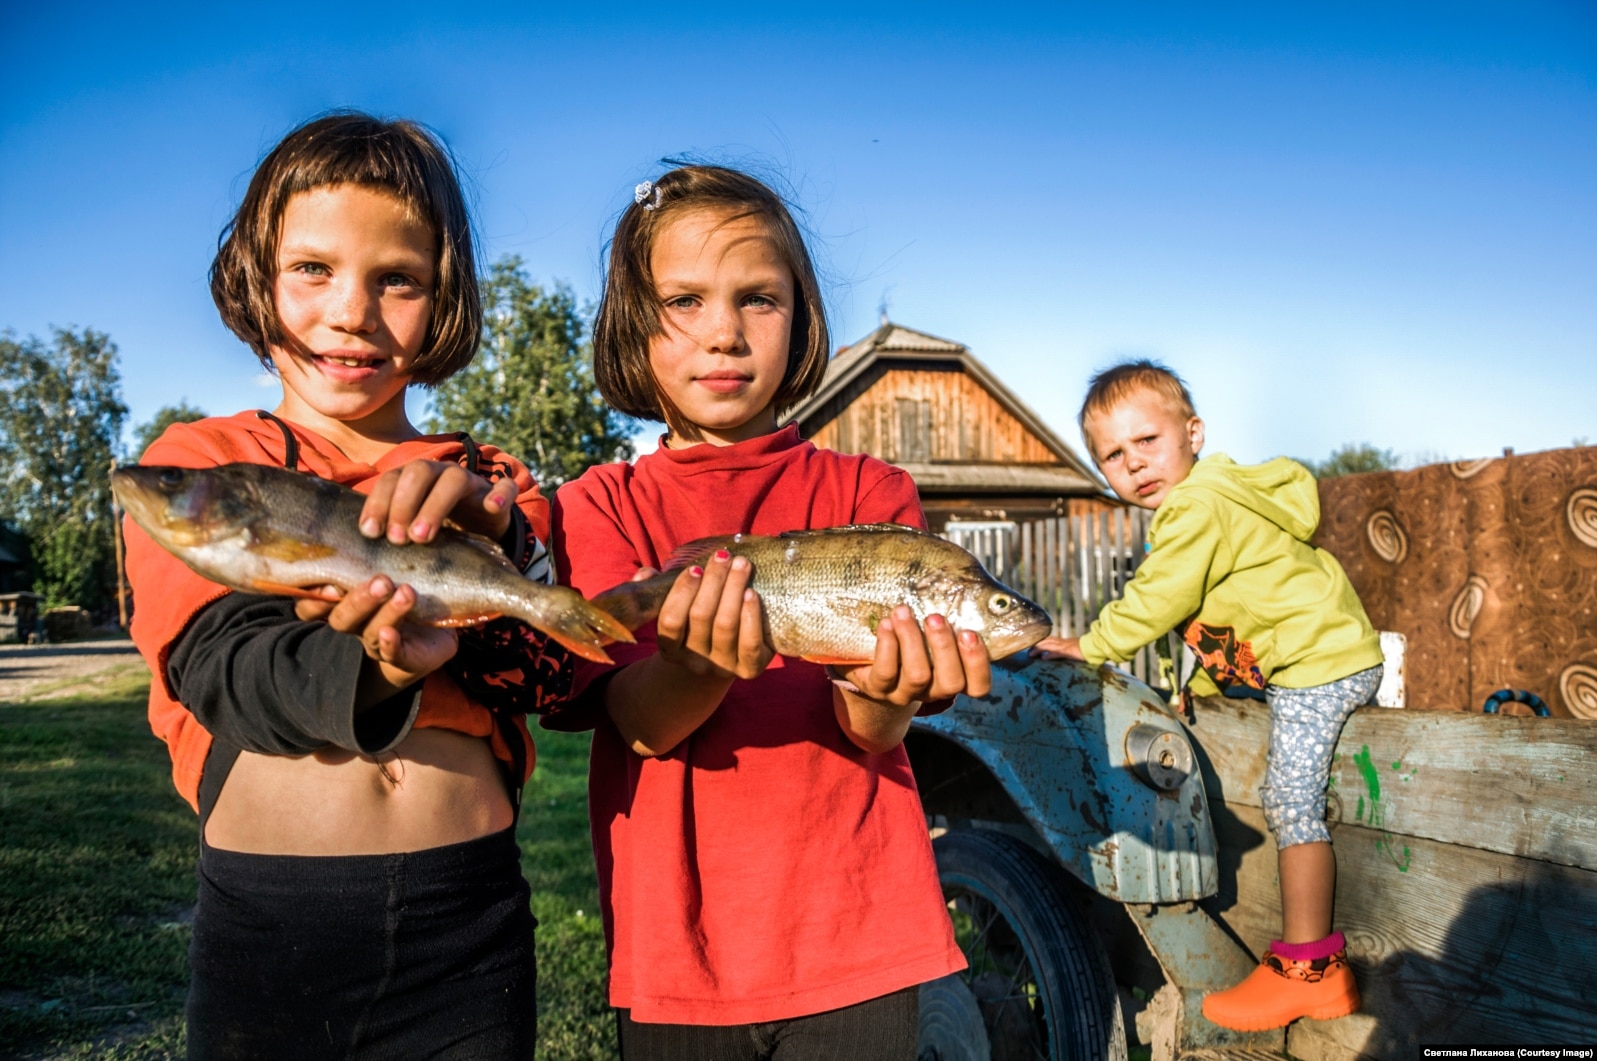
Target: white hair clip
{"points": [[647, 195]]}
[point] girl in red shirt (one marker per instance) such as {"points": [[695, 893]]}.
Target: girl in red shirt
{"points": [[766, 879], [360, 891]]}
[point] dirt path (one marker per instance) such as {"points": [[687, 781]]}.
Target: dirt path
{"points": [[29, 672]]}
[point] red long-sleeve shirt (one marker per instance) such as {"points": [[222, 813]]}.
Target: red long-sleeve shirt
{"points": [[766, 867]]}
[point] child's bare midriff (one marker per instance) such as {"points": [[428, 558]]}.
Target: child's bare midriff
{"points": [[438, 787]]}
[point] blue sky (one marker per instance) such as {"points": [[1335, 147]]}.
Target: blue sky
{"points": [[1344, 223]]}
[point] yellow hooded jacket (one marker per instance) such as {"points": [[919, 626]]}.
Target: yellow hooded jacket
{"points": [[1229, 564]]}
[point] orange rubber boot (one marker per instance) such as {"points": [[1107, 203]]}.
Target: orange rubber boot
{"points": [[1282, 989]]}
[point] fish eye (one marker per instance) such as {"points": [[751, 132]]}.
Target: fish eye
{"points": [[999, 604], [171, 478]]}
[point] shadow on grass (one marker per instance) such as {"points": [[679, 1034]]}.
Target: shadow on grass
{"points": [[97, 857]]}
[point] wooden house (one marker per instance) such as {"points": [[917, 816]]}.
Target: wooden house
{"points": [[976, 451]]}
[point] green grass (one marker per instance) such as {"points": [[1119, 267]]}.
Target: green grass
{"points": [[97, 882]]}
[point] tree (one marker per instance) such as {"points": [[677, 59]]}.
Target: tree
{"points": [[165, 417], [530, 390], [61, 415], [1353, 458]]}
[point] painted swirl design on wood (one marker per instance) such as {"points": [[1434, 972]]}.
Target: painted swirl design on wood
{"points": [[1468, 469], [1577, 687], [1466, 607], [1581, 512], [1387, 537]]}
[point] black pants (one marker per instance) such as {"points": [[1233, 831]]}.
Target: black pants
{"points": [[881, 1029], [419, 955]]}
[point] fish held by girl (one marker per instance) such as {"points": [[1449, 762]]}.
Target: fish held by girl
{"points": [[826, 591], [259, 529]]}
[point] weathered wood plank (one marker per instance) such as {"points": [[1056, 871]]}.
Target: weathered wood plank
{"points": [[1450, 944], [1519, 786]]}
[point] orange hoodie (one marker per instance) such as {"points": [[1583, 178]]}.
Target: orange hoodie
{"points": [[168, 595]]}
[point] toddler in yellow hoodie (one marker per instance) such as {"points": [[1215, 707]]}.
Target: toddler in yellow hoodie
{"points": [[1229, 564]]}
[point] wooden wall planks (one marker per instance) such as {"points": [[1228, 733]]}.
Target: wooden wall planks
{"points": [[1515, 785]]}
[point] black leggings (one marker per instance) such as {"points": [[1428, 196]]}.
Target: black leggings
{"points": [[882, 1029], [418, 955]]}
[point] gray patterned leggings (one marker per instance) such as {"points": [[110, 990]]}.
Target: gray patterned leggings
{"points": [[1304, 725]]}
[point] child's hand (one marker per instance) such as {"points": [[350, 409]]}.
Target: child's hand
{"points": [[398, 653], [712, 624], [411, 502], [1058, 648], [912, 668]]}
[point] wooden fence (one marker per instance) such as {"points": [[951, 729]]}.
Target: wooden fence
{"points": [[1070, 565]]}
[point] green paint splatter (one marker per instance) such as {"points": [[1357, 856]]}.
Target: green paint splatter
{"points": [[1397, 764], [1372, 779]]}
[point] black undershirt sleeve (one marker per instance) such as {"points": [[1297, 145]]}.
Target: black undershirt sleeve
{"points": [[258, 677]]}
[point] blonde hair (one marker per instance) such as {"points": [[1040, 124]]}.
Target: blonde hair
{"points": [[1115, 384]]}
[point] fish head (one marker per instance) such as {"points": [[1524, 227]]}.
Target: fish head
{"points": [[1006, 621], [187, 507]]}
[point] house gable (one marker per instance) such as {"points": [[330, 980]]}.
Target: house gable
{"points": [[930, 406]]}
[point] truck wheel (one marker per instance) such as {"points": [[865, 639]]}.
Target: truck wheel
{"points": [[1038, 976]]}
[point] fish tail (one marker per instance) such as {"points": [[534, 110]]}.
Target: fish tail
{"points": [[570, 620], [635, 603]]}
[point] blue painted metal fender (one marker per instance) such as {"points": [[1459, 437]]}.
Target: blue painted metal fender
{"points": [[1055, 736]]}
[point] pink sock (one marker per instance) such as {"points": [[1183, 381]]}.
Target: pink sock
{"points": [[1308, 952]]}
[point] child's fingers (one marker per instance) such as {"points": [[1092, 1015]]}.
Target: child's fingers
{"points": [[672, 622], [978, 667], [880, 679], [427, 492], [392, 612], [374, 513], [754, 651], [729, 612], [700, 634], [947, 675], [914, 661], [354, 612], [500, 496]]}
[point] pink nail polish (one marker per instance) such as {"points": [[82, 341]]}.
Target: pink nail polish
{"points": [[722, 554], [696, 571]]}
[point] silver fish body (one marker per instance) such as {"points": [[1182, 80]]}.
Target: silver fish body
{"points": [[259, 529], [826, 591]]}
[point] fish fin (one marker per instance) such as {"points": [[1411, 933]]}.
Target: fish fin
{"points": [[467, 620], [277, 589], [283, 547], [828, 661], [858, 528], [482, 544], [697, 550], [581, 648]]}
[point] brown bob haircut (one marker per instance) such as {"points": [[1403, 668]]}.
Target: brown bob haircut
{"points": [[347, 147], [629, 312], [1114, 385]]}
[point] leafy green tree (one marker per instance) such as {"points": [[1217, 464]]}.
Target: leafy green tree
{"points": [[61, 415], [1352, 459], [530, 390], [165, 417]]}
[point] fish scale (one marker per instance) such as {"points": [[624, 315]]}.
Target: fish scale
{"points": [[826, 591]]}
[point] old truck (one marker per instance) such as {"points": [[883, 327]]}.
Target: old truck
{"points": [[1106, 861]]}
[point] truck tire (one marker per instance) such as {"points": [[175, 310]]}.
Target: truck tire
{"points": [[1038, 975]]}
